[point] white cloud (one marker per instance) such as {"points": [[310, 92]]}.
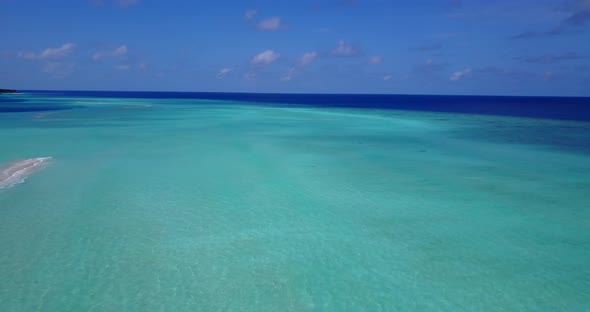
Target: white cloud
{"points": [[121, 67], [265, 57], [375, 59], [120, 51], [224, 72], [456, 76], [250, 14], [346, 50], [49, 53], [98, 56], [271, 24], [387, 77], [54, 60], [290, 74], [307, 58]]}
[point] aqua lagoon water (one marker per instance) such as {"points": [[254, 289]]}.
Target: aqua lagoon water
{"points": [[163, 203]]}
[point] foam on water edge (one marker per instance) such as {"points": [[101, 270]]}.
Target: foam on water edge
{"points": [[16, 172]]}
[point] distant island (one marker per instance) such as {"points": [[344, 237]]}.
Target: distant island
{"points": [[7, 91]]}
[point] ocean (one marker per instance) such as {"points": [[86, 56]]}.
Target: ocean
{"points": [[147, 201]]}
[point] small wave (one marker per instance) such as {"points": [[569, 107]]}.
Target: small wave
{"points": [[17, 172]]}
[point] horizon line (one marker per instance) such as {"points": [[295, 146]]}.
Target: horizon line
{"points": [[314, 93]]}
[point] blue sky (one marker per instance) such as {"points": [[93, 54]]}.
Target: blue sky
{"points": [[325, 46]]}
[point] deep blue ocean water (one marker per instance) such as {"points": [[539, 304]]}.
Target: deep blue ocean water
{"points": [[569, 108]]}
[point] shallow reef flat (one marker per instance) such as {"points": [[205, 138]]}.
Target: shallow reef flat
{"points": [[199, 205]]}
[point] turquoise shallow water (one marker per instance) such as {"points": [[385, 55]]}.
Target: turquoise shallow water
{"points": [[197, 205]]}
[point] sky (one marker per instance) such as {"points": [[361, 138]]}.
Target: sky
{"points": [[501, 47]]}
